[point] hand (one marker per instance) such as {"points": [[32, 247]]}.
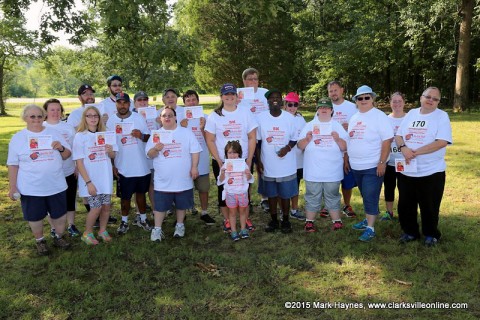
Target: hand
{"points": [[159, 146], [283, 152], [309, 136], [248, 174], [194, 173], [108, 148], [202, 123], [56, 145], [335, 135], [115, 172], [260, 168], [346, 166], [12, 193], [345, 126], [136, 133], [105, 118], [408, 153], [184, 123], [92, 190]]}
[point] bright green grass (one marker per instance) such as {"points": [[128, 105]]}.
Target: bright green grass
{"points": [[132, 278]]}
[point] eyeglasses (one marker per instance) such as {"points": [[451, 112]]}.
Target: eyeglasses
{"points": [[92, 116], [167, 116], [251, 79], [431, 98], [366, 98], [292, 105], [36, 117]]}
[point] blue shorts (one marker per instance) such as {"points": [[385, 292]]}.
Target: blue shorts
{"points": [[348, 181], [283, 189], [370, 186], [131, 185], [163, 200], [36, 208]]}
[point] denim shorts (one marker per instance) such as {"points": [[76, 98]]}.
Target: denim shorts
{"points": [[283, 189], [316, 190], [348, 181], [370, 186], [163, 200]]}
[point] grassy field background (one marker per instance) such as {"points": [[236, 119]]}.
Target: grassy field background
{"points": [[207, 276]]}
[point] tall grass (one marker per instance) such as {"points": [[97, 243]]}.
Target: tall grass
{"points": [[207, 276]]}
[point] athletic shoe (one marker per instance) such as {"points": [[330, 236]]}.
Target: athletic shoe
{"points": [[73, 231], [42, 248], [387, 216], [297, 215], [367, 235], [324, 213], [142, 224], [112, 220], [406, 238], [89, 239], [272, 226], [53, 234], [179, 231], [430, 242], [234, 235], [61, 243], [250, 225], [362, 225], [137, 218], [105, 236], [244, 234], [265, 206], [286, 226], [123, 228], [348, 212], [157, 235], [309, 227], [194, 211], [337, 225], [209, 221], [226, 226]]}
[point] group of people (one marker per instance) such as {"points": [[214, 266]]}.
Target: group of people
{"points": [[166, 154]]}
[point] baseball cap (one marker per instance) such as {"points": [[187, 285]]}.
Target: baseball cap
{"points": [[122, 96], [228, 88], [140, 94], [269, 92], [84, 87], [324, 102], [170, 90], [292, 97]]}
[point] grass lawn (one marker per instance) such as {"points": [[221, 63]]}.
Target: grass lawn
{"points": [[207, 276]]}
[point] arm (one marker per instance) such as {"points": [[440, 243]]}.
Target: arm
{"points": [[92, 190], [283, 152], [431, 147], [406, 151], [64, 152], [194, 169], [153, 152], [139, 135], [258, 152], [210, 140], [384, 154], [12, 178], [252, 144], [302, 143], [342, 144]]}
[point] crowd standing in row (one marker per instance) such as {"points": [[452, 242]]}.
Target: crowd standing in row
{"points": [[166, 156]]}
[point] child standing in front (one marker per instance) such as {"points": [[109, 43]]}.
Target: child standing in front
{"points": [[235, 192]]}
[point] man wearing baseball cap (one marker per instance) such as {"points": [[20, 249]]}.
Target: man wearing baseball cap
{"points": [[131, 166], [85, 95]]}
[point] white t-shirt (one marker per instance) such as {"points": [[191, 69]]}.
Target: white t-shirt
{"points": [[323, 159], [68, 134], [40, 172], [173, 163], [343, 112], [235, 125], [204, 161], [179, 111], [234, 182], [75, 117], [96, 162], [394, 152], [130, 159], [366, 132], [299, 123], [418, 130], [257, 105], [275, 133]]}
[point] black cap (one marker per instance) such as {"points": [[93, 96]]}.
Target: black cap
{"points": [[170, 90], [122, 96], [140, 94], [84, 87]]}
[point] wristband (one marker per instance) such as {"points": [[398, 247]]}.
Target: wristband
{"points": [[63, 150], [289, 147], [89, 181], [400, 148]]}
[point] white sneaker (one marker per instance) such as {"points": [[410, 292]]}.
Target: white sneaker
{"points": [[179, 231], [157, 235]]}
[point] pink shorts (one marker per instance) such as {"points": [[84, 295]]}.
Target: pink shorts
{"points": [[236, 200]]}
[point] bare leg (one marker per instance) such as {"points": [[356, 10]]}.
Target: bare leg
{"points": [[347, 196], [180, 215], [59, 224], [203, 200], [232, 216], [92, 216], [243, 213], [295, 202], [37, 228], [159, 217], [104, 214]]}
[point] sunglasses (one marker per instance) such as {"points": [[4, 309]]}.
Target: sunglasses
{"points": [[36, 117], [431, 98], [92, 116], [363, 98], [292, 105]]}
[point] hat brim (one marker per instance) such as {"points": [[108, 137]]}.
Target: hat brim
{"points": [[228, 91]]}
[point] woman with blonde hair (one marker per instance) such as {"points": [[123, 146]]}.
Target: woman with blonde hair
{"points": [[95, 179]]}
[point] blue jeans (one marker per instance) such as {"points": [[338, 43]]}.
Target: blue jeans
{"points": [[370, 186]]}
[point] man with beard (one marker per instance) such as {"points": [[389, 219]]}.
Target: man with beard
{"points": [[85, 95], [131, 166], [343, 110], [108, 106], [277, 165]]}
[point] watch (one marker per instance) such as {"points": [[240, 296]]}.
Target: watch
{"points": [[400, 148]]}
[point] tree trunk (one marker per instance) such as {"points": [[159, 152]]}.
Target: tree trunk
{"points": [[461, 84], [2, 98]]}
